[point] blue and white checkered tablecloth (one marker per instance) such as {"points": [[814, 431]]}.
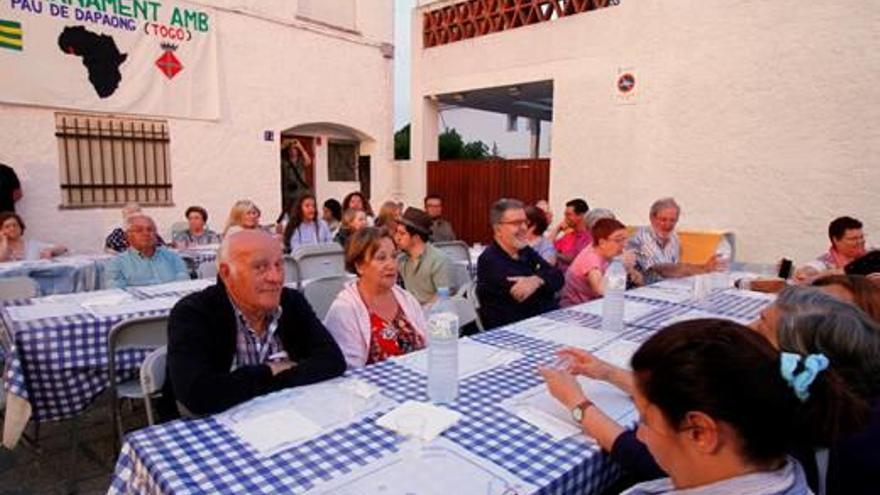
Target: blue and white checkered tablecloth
{"points": [[734, 303], [61, 275], [59, 365], [204, 457]]}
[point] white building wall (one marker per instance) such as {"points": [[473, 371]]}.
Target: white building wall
{"points": [[276, 72], [759, 117]]}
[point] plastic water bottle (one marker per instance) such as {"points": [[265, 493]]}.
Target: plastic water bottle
{"points": [[443, 349], [723, 256], [612, 303]]}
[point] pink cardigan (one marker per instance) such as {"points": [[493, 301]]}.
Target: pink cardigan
{"points": [[348, 320]]}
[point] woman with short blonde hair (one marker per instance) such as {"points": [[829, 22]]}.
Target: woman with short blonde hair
{"points": [[243, 215]]}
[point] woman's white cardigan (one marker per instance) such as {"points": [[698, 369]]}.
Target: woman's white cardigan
{"points": [[348, 320]]}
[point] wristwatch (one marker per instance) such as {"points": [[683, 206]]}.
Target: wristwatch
{"points": [[577, 413]]}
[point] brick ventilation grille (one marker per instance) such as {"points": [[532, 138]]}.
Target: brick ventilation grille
{"points": [[473, 18]]}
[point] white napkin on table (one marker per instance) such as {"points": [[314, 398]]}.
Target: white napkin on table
{"points": [[632, 310], [126, 308], [267, 432], [550, 425], [46, 310], [360, 388], [436, 419], [618, 353]]}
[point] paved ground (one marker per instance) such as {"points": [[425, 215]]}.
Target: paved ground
{"points": [[46, 469]]}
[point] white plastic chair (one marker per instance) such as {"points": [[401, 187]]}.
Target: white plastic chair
{"points": [[152, 379], [455, 250], [148, 332], [12, 288], [320, 293], [467, 311], [290, 271], [318, 261], [178, 227], [459, 276], [208, 269]]}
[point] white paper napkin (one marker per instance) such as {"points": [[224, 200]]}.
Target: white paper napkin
{"points": [[538, 407], [360, 388], [557, 429], [663, 293], [84, 297], [435, 419], [46, 310], [632, 310], [267, 432], [107, 300], [473, 357], [179, 286], [618, 353], [159, 303], [576, 336]]}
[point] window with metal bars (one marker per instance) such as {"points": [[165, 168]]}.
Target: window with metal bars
{"points": [[110, 161]]}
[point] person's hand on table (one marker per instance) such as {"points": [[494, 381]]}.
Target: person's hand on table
{"points": [[46, 253], [563, 386], [585, 363], [804, 275], [524, 287]]}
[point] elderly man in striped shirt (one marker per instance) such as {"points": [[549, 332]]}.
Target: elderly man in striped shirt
{"points": [[658, 249]]}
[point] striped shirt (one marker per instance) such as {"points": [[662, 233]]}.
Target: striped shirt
{"points": [[651, 250], [787, 480], [251, 349]]}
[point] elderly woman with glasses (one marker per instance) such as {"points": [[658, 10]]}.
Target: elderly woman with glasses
{"points": [[584, 278]]}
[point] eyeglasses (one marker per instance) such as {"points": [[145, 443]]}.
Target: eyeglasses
{"points": [[515, 223], [858, 239]]}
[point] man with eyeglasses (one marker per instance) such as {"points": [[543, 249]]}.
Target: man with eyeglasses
{"points": [[513, 281], [144, 262], [847, 244], [658, 249]]}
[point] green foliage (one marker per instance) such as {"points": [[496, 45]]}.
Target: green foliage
{"points": [[450, 146], [401, 143]]}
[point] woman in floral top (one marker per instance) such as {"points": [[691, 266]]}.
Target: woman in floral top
{"points": [[373, 319]]}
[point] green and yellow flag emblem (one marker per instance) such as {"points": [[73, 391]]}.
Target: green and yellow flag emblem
{"points": [[10, 34]]}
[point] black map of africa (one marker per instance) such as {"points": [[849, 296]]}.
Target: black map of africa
{"points": [[100, 56]]}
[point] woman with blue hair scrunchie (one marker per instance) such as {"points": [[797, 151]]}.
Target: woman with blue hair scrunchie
{"points": [[720, 410], [837, 427], [805, 321]]}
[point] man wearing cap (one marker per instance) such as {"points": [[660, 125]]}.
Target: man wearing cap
{"points": [[423, 268]]}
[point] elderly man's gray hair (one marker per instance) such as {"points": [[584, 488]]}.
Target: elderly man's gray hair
{"points": [[500, 206], [662, 204], [131, 219], [811, 321]]}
